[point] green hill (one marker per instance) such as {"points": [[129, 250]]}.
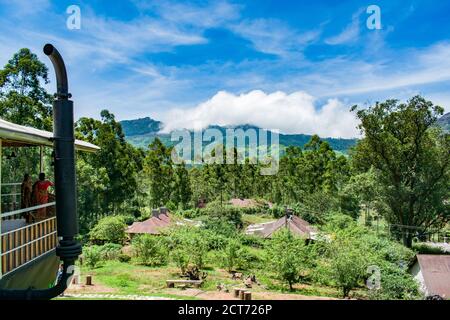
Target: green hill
{"points": [[444, 122], [142, 132]]}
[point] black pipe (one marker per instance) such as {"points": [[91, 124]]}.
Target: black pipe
{"points": [[60, 70], [68, 248]]}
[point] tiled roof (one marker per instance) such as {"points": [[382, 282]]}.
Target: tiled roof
{"points": [[150, 226]]}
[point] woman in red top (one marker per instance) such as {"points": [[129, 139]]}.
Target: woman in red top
{"points": [[41, 194]]}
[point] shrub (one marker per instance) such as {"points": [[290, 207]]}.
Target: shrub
{"points": [[197, 249], [92, 256], [288, 257], [123, 258], [129, 219], [191, 213], [109, 229], [396, 283], [171, 206], [348, 267], [150, 250], [110, 251], [277, 211], [181, 259], [252, 241], [231, 254], [214, 240], [246, 259], [235, 256], [220, 226], [188, 244], [338, 221], [388, 250], [228, 214], [349, 259], [422, 248]]}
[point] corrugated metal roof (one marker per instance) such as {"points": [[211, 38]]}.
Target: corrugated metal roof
{"points": [[295, 224], [16, 135], [436, 273]]}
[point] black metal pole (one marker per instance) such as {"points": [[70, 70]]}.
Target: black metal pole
{"points": [[64, 146], [68, 248], [64, 157]]}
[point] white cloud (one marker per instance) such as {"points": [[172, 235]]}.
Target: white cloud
{"points": [[349, 34], [273, 36], [21, 8], [296, 112], [210, 15]]}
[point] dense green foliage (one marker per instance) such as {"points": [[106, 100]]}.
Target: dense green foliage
{"points": [[109, 229], [23, 99], [412, 161], [150, 250], [92, 256], [398, 174], [115, 188], [288, 257]]}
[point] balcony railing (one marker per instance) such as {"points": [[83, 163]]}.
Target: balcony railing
{"points": [[26, 243]]}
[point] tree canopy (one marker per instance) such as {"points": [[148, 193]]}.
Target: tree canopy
{"points": [[412, 159]]}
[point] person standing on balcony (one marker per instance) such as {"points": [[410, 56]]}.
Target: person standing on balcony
{"points": [[25, 195], [40, 190]]}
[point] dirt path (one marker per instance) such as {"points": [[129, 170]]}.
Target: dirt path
{"points": [[98, 296], [99, 291], [220, 295]]}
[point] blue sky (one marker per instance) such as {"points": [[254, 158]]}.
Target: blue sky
{"points": [[296, 66]]}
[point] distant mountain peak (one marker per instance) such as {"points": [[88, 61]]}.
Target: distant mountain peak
{"points": [[444, 121], [141, 126]]}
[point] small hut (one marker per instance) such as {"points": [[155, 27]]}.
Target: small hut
{"points": [[159, 220]]}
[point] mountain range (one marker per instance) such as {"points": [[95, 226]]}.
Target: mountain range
{"points": [[141, 132], [444, 122]]}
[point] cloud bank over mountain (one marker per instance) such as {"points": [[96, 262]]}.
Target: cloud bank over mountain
{"points": [[296, 112]]}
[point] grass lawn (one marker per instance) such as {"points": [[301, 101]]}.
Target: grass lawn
{"points": [[253, 218], [118, 278]]}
